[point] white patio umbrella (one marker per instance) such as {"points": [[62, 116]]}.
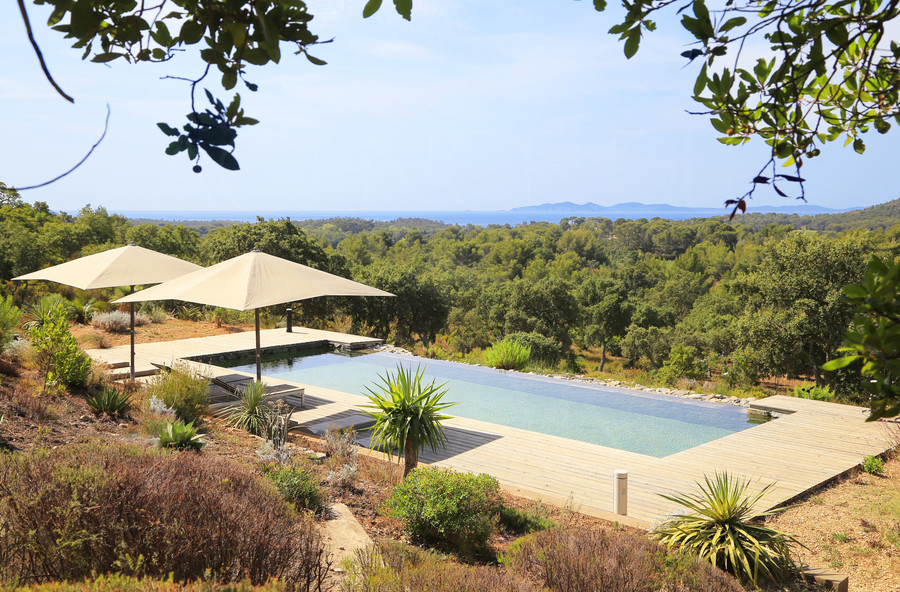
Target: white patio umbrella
{"points": [[130, 265], [252, 281]]}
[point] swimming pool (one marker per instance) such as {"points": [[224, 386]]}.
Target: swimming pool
{"points": [[646, 423]]}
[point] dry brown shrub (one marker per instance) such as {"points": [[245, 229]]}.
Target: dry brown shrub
{"points": [[394, 566], [91, 509], [8, 368], [613, 561], [30, 406]]}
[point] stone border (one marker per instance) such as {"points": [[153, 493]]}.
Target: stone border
{"points": [[737, 401]]}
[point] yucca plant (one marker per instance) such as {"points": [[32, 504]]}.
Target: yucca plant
{"points": [[723, 528], [251, 412], [108, 400], [407, 414], [40, 312], [181, 435]]}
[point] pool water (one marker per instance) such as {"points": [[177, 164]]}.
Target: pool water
{"points": [[646, 423]]}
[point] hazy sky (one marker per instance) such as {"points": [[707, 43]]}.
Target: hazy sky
{"points": [[475, 104]]}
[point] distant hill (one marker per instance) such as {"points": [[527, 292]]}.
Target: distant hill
{"points": [[880, 216], [640, 210]]}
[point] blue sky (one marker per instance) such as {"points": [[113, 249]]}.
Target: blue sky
{"points": [[475, 104]]}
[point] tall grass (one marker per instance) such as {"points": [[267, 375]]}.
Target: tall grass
{"points": [[507, 355]]}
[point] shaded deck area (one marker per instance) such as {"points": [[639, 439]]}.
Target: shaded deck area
{"points": [[811, 443]]}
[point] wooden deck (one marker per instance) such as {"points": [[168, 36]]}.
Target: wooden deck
{"points": [[146, 355], [811, 443]]}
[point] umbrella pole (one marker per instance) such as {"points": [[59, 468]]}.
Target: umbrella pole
{"points": [[131, 306], [258, 364]]}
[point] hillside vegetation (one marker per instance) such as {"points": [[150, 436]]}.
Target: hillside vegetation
{"points": [[734, 305]]}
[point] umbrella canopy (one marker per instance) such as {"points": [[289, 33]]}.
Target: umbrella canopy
{"points": [[130, 265], [252, 281], [126, 266]]}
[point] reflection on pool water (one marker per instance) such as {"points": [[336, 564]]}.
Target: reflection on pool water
{"points": [[646, 423]]}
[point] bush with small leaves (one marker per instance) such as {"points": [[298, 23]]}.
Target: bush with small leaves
{"points": [[543, 350], [182, 390], [441, 506], [299, 487], [108, 400], [58, 356], [873, 465], [182, 436]]}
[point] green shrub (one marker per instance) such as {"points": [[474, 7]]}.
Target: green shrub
{"points": [[543, 350], [83, 510], [441, 506], [391, 566], [721, 528], [298, 486], [120, 583], [108, 400], [182, 390], [251, 412], [811, 391], [507, 355], [583, 560], [61, 361], [182, 436], [9, 320], [873, 465], [526, 521], [681, 363]]}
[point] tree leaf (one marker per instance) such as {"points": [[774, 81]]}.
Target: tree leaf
{"points": [[166, 129], [838, 363], [404, 8], [599, 5], [221, 157], [371, 8], [102, 58], [632, 42], [316, 60]]}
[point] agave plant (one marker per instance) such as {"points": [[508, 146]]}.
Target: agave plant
{"points": [[251, 412], [181, 435], [722, 528], [407, 414], [108, 400]]}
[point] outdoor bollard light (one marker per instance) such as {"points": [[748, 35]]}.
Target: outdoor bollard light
{"points": [[290, 319], [620, 492]]}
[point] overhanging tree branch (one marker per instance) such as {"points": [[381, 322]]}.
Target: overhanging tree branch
{"points": [[80, 162], [40, 56]]}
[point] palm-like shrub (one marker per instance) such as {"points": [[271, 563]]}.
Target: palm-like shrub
{"points": [[720, 528], [507, 355], [407, 414], [251, 412], [38, 313]]}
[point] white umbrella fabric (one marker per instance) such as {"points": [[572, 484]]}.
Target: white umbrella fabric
{"points": [[252, 281], [130, 265]]}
